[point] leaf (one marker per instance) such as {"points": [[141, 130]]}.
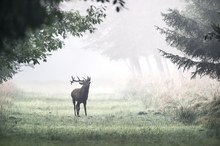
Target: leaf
{"points": [[35, 61], [117, 9], [115, 1]]}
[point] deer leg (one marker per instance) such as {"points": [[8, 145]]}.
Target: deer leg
{"points": [[85, 108], [74, 104], [78, 108]]}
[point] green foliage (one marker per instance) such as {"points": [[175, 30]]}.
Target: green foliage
{"points": [[119, 3], [215, 33], [17, 16], [202, 68], [30, 30], [186, 32], [37, 45]]}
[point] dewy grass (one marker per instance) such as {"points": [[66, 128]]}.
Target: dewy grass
{"points": [[43, 120], [50, 121]]}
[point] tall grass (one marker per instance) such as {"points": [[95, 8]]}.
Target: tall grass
{"points": [[50, 121], [182, 98], [165, 112], [8, 92]]}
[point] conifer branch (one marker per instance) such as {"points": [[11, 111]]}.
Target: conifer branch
{"points": [[202, 68]]}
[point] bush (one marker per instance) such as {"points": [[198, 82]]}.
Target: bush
{"points": [[213, 126], [213, 118], [186, 115]]}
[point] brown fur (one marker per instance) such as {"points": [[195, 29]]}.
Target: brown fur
{"points": [[80, 95]]}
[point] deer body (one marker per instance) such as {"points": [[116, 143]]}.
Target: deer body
{"points": [[80, 95]]}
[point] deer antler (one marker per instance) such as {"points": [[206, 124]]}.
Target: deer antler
{"points": [[73, 80]]}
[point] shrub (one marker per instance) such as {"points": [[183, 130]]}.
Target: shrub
{"points": [[186, 114], [213, 126], [213, 118]]}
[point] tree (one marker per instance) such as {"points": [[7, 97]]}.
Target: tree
{"points": [[215, 34], [37, 45], [186, 32], [31, 29], [18, 16], [119, 3]]}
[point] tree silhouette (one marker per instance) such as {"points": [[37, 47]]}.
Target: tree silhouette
{"points": [[18, 16], [30, 30], [37, 45], [186, 32]]}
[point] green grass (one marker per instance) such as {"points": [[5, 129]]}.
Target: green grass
{"points": [[46, 121]]}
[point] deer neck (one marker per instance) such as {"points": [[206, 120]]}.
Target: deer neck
{"points": [[84, 92]]}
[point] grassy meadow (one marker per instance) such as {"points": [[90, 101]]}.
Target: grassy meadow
{"points": [[38, 119]]}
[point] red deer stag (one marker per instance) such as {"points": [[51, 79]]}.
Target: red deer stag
{"points": [[80, 95]]}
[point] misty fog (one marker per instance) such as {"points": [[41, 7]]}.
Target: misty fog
{"points": [[124, 47], [119, 85]]}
